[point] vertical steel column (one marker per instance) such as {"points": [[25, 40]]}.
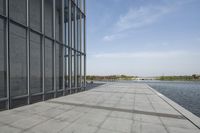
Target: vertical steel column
{"points": [[63, 50], [75, 46], [7, 57], [70, 45], [80, 44], [28, 50], [84, 48], [54, 49], [43, 54]]}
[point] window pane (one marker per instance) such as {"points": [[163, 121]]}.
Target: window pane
{"points": [[48, 17], [83, 34], [18, 10], [59, 20], [48, 65], [78, 70], [82, 70], [18, 61], [35, 14], [35, 63], [73, 70], [66, 67], [2, 60], [2, 7], [59, 66], [73, 26], [66, 22], [78, 31]]}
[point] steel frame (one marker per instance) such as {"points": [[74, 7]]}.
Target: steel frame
{"points": [[66, 43]]}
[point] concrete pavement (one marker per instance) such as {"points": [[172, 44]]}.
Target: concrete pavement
{"points": [[110, 108]]}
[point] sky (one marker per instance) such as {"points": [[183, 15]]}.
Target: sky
{"points": [[143, 37]]}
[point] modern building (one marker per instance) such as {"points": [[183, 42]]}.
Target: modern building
{"points": [[42, 50]]}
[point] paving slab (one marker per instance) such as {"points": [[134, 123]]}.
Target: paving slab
{"points": [[110, 108]]}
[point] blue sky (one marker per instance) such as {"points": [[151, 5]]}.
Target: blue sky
{"points": [[143, 37]]}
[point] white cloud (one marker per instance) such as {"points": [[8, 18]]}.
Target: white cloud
{"points": [[142, 16], [109, 38], [147, 55]]}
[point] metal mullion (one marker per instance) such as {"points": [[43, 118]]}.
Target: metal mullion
{"points": [[28, 50], [80, 49], [84, 52], [3, 16], [19, 97], [17, 23], [3, 99], [37, 32], [7, 57], [54, 48], [70, 45], [43, 54], [75, 46], [63, 53]]}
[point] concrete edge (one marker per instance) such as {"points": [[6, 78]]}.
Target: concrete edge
{"points": [[187, 114]]}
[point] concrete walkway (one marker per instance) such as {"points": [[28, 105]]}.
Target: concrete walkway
{"points": [[110, 108]]}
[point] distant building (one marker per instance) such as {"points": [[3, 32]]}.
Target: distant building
{"points": [[42, 50]]}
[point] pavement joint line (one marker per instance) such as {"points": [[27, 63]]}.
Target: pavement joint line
{"points": [[162, 97], [166, 129], [122, 92], [121, 110]]}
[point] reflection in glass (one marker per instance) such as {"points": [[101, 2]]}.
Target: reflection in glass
{"points": [[59, 66], [36, 14], [35, 63], [18, 10], [2, 60], [48, 65], [18, 61], [48, 17]]}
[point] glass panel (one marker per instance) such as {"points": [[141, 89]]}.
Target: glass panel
{"points": [[2, 7], [73, 26], [18, 61], [48, 17], [66, 68], [35, 63], [18, 10], [82, 5], [58, 20], [66, 21], [82, 70], [78, 31], [48, 65], [35, 14], [73, 70], [83, 34], [59, 66], [2, 59], [78, 70]]}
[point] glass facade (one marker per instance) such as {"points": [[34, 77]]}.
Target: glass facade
{"points": [[42, 50]]}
